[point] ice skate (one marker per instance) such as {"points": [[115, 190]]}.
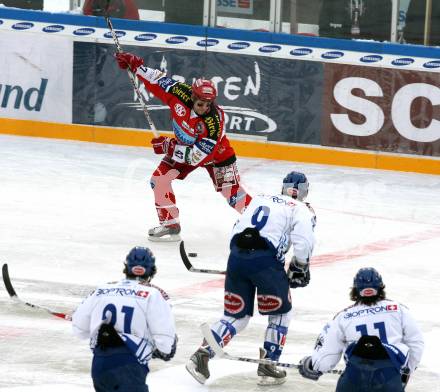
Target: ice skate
{"points": [[269, 374], [164, 233], [197, 365]]}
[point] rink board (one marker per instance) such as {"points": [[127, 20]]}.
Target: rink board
{"points": [[353, 103], [245, 148]]}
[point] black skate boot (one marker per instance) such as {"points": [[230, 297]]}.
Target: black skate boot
{"points": [[197, 365], [269, 374]]}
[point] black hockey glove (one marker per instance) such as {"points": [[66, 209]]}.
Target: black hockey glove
{"points": [[305, 368], [405, 373], [298, 274], [166, 357]]}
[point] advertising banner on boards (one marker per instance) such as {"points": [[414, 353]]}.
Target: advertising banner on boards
{"points": [[272, 98], [35, 77], [381, 109]]}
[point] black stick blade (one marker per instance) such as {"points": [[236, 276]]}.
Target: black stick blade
{"points": [[7, 281], [184, 256]]}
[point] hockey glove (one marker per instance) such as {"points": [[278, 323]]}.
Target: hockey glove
{"points": [[126, 60], [166, 357], [163, 145], [405, 373], [298, 274], [305, 368]]}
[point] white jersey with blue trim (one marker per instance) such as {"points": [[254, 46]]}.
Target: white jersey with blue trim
{"points": [[388, 320], [283, 221], [139, 312]]}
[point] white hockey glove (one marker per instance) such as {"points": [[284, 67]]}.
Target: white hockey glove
{"points": [[298, 273], [305, 368]]}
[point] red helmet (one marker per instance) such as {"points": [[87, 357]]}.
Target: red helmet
{"points": [[204, 89]]}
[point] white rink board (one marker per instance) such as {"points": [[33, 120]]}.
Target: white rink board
{"points": [[41, 66]]}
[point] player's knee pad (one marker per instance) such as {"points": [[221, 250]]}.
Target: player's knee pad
{"points": [[227, 327], [276, 333]]}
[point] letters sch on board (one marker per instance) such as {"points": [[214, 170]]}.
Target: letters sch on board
{"points": [[381, 109]]}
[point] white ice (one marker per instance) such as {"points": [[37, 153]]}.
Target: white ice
{"points": [[71, 211]]}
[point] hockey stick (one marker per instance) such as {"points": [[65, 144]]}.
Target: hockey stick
{"points": [[207, 334], [131, 75], [11, 291], [189, 266]]}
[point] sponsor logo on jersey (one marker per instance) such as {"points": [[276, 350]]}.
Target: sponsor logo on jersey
{"points": [[118, 34], [180, 110], [178, 39], [182, 136], [22, 25], [370, 311], [53, 28], [210, 123], [371, 58], [268, 303], [121, 291], [165, 83], [269, 48], [207, 42], [205, 146], [84, 31], [239, 45], [280, 200], [143, 294], [432, 64], [180, 93], [145, 37], [233, 303], [198, 155], [402, 61], [334, 54], [186, 126], [301, 52]]}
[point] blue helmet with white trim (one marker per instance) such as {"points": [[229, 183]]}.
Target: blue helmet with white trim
{"points": [[140, 263], [295, 184]]}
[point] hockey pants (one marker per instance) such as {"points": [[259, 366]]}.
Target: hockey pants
{"points": [[117, 369], [366, 375], [226, 180]]}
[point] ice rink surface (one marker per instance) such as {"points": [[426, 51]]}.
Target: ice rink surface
{"points": [[71, 211]]}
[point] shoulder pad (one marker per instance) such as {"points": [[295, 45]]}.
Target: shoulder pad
{"points": [[164, 294]]}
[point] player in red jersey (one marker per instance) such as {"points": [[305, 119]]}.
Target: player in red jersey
{"points": [[199, 141]]}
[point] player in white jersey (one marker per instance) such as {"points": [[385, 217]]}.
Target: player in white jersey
{"points": [[381, 342], [128, 323], [268, 227]]}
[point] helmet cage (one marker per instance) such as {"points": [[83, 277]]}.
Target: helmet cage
{"points": [[295, 185]]}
